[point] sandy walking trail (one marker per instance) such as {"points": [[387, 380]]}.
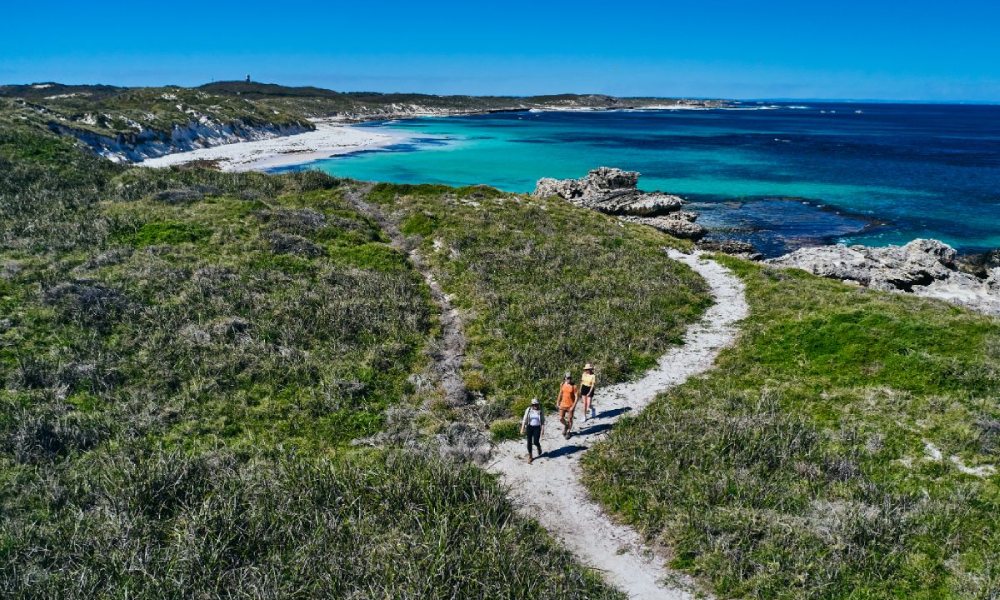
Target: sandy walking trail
{"points": [[448, 349], [550, 491]]}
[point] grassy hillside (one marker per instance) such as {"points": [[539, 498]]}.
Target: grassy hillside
{"points": [[148, 113], [263, 306], [131, 111], [546, 287], [801, 468], [185, 357]]}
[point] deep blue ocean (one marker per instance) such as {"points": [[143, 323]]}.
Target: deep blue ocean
{"points": [[778, 175]]}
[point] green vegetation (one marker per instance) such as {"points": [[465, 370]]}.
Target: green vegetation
{"points": [[546, 287], [143, 114], [270, 313], [136, 112], [188, 359], [185, 359], [799, 468], [321, 102], [139, 524]]}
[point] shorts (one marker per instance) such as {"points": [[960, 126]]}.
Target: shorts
{"points": [[586, 390]]}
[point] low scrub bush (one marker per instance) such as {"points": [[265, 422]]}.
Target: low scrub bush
{"points": [[502, 430]]}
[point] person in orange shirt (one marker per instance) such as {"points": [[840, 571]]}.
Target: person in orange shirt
{"points": [[566, 401]]}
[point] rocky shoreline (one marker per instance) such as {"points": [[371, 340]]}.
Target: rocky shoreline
{"points": [[926, 268]]}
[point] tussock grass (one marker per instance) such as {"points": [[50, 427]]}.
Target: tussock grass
{"points": [[798, 468], [281, 317], [546, 287], [145, 523]]}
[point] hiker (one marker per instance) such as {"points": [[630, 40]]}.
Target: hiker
{"points": [[588, 383], [532, 425], [567, 404]]}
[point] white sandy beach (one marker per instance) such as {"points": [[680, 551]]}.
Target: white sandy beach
{"points": [[329, 139]]}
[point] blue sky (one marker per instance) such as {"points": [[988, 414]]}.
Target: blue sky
{"points": [[915, 50]]}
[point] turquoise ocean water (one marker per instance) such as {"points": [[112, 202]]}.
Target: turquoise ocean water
{"points": [[778, 175]]}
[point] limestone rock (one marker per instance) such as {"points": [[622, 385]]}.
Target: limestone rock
{"points": [[993, 280], [597, 185], [980, 265], [640, 204], [614, 192], [684, 228], [732, 247], [611, 191], [835, 262], [925, 267]]}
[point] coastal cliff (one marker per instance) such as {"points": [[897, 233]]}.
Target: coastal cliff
{"points": [[147, 143]]}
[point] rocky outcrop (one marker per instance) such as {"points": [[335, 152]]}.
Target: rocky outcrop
{"points": [[737, 248], [980, 265], [923, 267], [614, 192], [204, 133], [589, 191]]}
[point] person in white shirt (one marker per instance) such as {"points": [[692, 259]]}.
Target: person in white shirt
{"points": [[531, 427]]}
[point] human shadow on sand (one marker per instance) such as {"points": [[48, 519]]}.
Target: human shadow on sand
{"points": [[614, 412], [564, 451], [596, 428]]}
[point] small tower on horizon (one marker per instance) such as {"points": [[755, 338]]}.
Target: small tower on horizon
{"points": [[248, 77]]}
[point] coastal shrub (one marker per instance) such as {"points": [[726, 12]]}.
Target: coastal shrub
{"points": [[374, 256], [170, 233], [502, 430], [419, 224], [545, 287], [801, 466]]}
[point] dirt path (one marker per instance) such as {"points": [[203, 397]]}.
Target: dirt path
{"points": [[550, 490], [448, 349]]}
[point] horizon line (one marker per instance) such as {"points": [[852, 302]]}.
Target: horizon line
{"points": [[782, 99]]}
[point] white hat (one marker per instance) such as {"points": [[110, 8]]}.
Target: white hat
{"points": [[534, 401]]}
